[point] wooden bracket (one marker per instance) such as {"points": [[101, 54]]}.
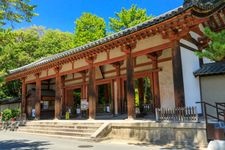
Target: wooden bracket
{"points": [[57, 69], [128, 47], [154, 56], [91, 59]]}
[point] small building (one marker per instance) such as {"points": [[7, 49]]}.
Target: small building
{"points": [[160, 50], [212, 83]]}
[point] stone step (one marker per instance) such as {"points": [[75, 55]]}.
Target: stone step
{"points": [[60, 136], [61, 123], [94, 126], [58, 129], [78, 134]]}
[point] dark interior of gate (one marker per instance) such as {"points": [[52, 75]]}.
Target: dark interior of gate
{"points": [[105, 105]]}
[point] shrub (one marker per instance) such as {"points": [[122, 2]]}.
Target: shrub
{"points": [[7, 114], [15, 113]]}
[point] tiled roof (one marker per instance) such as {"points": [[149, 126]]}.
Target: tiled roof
{"points": [[211, 69], [191, 3]]}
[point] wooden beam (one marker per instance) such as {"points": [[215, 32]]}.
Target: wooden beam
{"points": [[178, 76]]}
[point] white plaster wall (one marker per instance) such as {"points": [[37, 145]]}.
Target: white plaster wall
{"points": [[108, 67], [30, 77], [166, 86], [116, 52], [108, 75], [80, 63], [51, 72], [142, 59], [190, 63], [150, 42], [143, 68], [66, 67], [69, 76], [166, 53], [101, 57], [73, 82], [98, 74], [43, 73], [213, 90]]}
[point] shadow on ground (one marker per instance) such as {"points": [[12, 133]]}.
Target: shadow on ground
{"points": [[23, 144]]}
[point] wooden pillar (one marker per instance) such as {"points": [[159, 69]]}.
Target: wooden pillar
{"points": [[141, 93], [84, 85], [130, 80], [38, 97], [58, 93], [24, 101], [92, 96], [155, 77], [178, 75], [118, 88], [63, 106]]}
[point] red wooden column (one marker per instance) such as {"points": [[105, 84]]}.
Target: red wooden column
{"points": [[118, 89], [155, 77], [24, 93], [92, 96], [38, 97], [58, 93], [130, 80], [63, 106], [177, 75], [84, 85]]}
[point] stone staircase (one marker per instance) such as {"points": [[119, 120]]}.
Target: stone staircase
{"points": [[73, 129]]}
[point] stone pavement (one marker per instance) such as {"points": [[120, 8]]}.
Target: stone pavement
{"points": [[21, 141]]}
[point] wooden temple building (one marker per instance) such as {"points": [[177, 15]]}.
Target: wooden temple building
{"points": [[160, 50]]}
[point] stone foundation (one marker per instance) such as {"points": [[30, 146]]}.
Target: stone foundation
{"points": [[161, 133]]}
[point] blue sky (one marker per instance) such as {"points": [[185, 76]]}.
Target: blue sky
{"points": [[61, 14]]}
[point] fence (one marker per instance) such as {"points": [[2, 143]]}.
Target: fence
{"points": [[183, 114]]}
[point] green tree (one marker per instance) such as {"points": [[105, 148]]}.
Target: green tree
{"points": [[127, 18], [21, 47], [53, 42], [15, 11], [216, 48], [89, 28]]}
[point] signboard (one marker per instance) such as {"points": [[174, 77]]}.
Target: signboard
{"points": [[83, 104]]}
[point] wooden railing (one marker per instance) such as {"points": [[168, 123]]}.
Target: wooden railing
{"points": [[181, 114]]}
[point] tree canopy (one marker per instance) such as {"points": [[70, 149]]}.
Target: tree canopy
{"points": [[127, 18], [16, 11], [21, 47], [216, 48], [89, 28]]}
